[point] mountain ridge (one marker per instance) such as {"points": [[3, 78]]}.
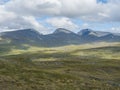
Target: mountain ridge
{"points": [[59, 37]]}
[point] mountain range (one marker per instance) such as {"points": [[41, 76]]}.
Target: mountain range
{"points": [[59, 37]]}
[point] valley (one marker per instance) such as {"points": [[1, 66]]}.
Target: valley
{"points": [[94, 66]]}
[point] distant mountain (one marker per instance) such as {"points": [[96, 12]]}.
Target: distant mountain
{"points": [[62, 36], [111, 38], [89, 35], [59, 37], [25, 36], [89, 32], [62, 31]]}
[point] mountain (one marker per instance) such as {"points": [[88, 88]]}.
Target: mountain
{"points": [[62, 36], [62, 31], [59, 37], [89, 32], [88, 35], [25, 36], [111, 38]]}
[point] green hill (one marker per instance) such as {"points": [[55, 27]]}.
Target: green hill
{"points": [[82, 67]]}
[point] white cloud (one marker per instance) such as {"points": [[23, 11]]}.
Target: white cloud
{"points": [[21, 23], [12, 21], [85, 25], [78, 8], [62, 23], [17, 14], [32, 23], [69, 8], [34, 7], [115, 29], [5, 15], [83, 9], [2, 2]]}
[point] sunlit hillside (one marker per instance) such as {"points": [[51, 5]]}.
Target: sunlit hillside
{"points": [[94, 66]]}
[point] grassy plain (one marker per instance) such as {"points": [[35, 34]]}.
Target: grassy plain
{"points": [[93, 66]]}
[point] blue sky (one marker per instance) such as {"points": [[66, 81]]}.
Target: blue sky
{"points": [[48, 15], [103, 1]]}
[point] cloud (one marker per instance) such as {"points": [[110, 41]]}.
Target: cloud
{"points": [[12, 21], [85, 25], [21, 23], [68, 8], [79, 8], [89, 10], [2, 1], [16, 14], [115, 29], [62, 22], [34, 7]]}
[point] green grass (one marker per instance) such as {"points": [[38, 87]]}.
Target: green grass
{"points": [[82, 67]]}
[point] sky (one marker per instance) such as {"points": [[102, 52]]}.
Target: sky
{"points": [[47, 15]]}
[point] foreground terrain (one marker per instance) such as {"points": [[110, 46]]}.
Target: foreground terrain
{"points": [[80, 67]]}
